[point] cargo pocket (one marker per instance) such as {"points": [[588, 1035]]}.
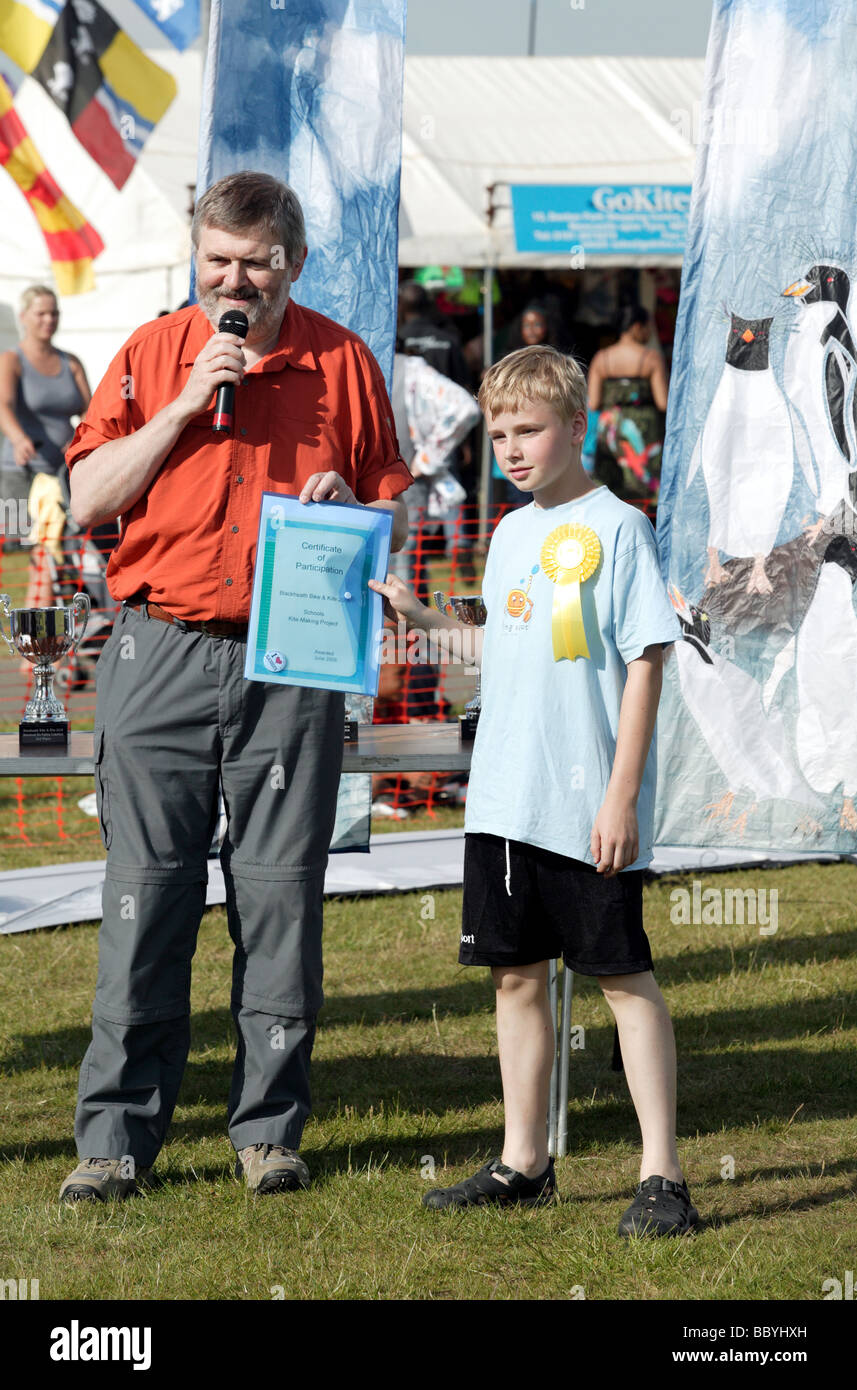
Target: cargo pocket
{"points": [[102, 794]]}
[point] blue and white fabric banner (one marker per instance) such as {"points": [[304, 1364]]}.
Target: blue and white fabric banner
{"points": [[178, 19], [756, 517], [311, 91]]}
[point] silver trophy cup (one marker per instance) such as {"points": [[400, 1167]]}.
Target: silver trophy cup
{"points": [[470, 610], [44, 636]]}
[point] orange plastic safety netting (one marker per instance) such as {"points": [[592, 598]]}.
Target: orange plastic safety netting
{"points": [[444, 555]]}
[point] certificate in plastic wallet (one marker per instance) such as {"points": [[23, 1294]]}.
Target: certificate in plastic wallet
{"points": [[313, 619]]}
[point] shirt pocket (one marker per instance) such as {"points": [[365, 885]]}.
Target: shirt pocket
{"points": [[203, 421], [198, 436], [301, 447]]}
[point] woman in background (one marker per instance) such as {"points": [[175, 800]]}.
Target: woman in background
{"points": [[539, 323], [41, 388], [628, 394]]}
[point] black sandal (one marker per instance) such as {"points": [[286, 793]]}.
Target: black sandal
{"points": [[660, 1208], [484, 1189]]}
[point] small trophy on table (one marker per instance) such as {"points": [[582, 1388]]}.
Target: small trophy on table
{"points": [[43, 636], [470, 610]]}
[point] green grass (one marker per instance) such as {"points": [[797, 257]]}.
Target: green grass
{"points": [[405, 1068], [441, 818]]}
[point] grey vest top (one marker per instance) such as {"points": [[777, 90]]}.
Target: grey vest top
{"points": [[43, 409]]}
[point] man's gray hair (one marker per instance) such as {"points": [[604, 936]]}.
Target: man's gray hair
{"points": [[239, 202]]}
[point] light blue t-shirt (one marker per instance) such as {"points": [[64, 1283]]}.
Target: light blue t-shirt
{"points": [[546, 737]]}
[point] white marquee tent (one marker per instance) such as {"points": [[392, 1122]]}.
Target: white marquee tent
{"points": [[469, 123], [474, 123]]}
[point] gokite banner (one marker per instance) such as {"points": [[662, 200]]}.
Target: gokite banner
{"points": [[316, 99], [756, 518], [608, 219]]}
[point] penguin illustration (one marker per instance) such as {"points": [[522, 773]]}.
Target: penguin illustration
{"points": [[746, 450], [826, 669], [821, 376], [751, 748]]}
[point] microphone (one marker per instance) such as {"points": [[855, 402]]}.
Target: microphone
{"points": [[232, 322]]}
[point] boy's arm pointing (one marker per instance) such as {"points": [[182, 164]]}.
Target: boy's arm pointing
{"points": [[615, 841]]}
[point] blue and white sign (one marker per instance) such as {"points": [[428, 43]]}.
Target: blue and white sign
{"points": [[601, 219]]}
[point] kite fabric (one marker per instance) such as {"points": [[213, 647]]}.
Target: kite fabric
{"points": [[110, 92], [757, 732], [25, 28], [317, 102], [72, 242]]}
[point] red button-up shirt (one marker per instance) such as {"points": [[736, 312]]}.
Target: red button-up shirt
{"points": [[317, 401]]}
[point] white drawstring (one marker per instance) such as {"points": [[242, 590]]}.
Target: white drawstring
{"points": [[508, 872]]}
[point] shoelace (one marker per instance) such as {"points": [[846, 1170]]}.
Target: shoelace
{"points": [[276, 1149]]}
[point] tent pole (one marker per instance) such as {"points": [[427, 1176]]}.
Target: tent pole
{"points": [[488, 358]]}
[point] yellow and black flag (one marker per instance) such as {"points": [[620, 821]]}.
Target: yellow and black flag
{"points": [[110, 92]]}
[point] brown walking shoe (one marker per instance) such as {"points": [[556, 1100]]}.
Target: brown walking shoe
{"points": [[271, 1168], [98, 1179]]}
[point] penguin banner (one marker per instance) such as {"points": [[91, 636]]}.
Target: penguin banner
{"points": [[311, 92], [757, 732]]}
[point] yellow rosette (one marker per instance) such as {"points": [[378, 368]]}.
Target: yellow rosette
{"points": [[570, 556]]}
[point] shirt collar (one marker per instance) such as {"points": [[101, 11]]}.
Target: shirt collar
{"points": [[292, 348]]}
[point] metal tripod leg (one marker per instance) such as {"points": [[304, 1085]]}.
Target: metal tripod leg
{"points": [[558, 1103], [564, 1049], [552, 1102]]}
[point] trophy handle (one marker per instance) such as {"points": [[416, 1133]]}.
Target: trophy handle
{"points": [[6, 605], [80, 604], [441, 603]]}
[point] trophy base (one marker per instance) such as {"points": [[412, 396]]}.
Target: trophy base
{"points": [[467, 724], [43, 733], [351, 731]]}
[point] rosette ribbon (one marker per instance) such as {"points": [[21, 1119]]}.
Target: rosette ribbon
{"points": [[570, 556]]}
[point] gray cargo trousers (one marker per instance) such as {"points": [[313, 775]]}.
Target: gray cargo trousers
{"points": [[175, 720]]}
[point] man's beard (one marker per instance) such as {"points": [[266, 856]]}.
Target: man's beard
{"points": [[264, 311]]}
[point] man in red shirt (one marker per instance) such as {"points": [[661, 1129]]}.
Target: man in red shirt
{"points": [[175, 720]]}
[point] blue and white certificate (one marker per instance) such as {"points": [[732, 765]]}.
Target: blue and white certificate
{"points": [[313, 619]]}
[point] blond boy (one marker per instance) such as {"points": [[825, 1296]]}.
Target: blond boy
{"points": [[560, 803]]}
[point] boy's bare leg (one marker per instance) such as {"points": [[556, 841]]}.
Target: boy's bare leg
{"points": [[648, 1054], [525, 1042]]}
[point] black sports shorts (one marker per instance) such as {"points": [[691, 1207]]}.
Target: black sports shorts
{"points": [[538, 906]]}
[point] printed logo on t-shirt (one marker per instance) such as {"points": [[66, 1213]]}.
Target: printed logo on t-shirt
{"points": [[519, 605]]}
